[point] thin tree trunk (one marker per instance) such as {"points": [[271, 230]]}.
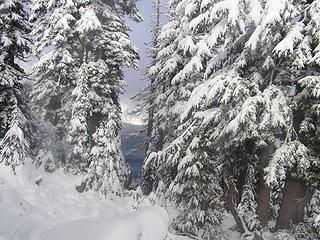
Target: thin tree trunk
{"points": [[230, 197], [264, 190]]}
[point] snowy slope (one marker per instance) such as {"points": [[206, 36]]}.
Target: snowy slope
{"points": [[130, 116], [55, 211]]}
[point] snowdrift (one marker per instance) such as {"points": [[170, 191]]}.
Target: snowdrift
{"points": [[146, 224], [55, 211]]}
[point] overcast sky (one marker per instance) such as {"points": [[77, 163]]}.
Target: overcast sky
{"points": [[140, 35]]}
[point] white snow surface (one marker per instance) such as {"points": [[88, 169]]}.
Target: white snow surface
{"points": [[54, 210]]}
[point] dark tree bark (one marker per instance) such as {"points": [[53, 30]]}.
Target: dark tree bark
{"points": [[264, 190], [94, 122], [263, 201], [295, 199]]}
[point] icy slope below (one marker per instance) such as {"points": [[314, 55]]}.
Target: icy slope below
{"points": [[55, 211]]}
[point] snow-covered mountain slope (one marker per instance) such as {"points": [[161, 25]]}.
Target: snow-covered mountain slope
{"points": [[55, 211], [130, 116], [132, 119]]}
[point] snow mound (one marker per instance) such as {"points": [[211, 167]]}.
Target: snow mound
{"points": [[145, 224], [54, 210]]}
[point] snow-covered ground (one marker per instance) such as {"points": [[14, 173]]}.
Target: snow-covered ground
{"points": [[55, 211]]}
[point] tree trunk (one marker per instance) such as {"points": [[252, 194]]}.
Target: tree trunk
{"points": [[295, 198], [229, 197], [94, 122], [264, 190], [263, 201]]}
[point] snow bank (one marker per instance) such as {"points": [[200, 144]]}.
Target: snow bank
{"points": [[54, 210], [145, 224]]}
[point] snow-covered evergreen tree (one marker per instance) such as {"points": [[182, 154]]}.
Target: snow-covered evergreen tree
{"points": [[162, 68], [313, 212], [248, 203], [252, 107], [107, 173], [14, 145], [239, 77], [55, 71], [196, 190], [250, 104], [198, 41], [107, 49], [150, 91], [78, 134], [146, 97], [14, 32], [81, 78], [306, 66], [207, 31], [107, 170], [14, 115]]}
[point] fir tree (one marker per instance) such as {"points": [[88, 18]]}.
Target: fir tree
{"points": [[163, 66], [88, 37], [152, 89], [108, 173], [14, 113], [184, 68], [146, 97], [196, 191], [305, 66], [205, 29], [107, 49], [237, 74], [78, 134], [250, 101], [55, 71], [248, 203]]}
